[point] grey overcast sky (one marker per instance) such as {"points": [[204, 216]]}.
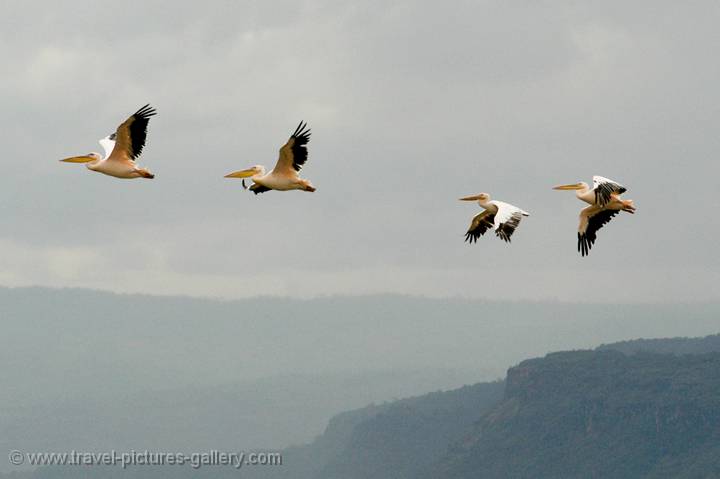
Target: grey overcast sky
{"points": [[412, 105]]}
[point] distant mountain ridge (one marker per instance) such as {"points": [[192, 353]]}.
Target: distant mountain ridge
{"points": [[412, 433]]}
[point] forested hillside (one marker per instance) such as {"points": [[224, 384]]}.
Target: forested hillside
{"points": [[598, 414], [708, 344]]}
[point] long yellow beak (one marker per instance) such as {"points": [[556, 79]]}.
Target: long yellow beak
{"points": [[470, 198], [78, 159], [574, 186], [241, 174]]}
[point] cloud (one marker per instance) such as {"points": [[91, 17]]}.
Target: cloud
{"points": [[412, 104]]}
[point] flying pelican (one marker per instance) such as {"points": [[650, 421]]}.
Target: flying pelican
{"points": [[502, 217], [284, 176], [605, 202], [122, 148]]}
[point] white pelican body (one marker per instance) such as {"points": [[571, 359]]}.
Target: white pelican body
{"points": [[605, 202], [503, 217], [284, 176], [121, 149]]}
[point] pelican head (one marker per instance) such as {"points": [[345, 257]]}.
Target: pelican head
{"points": [[572, 186], [481, 198], [256, 170], [84, 158]]}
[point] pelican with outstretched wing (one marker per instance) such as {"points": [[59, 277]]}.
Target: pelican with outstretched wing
{"points": [[122, 148], [503, 217], [284, 176], [605, 202]]}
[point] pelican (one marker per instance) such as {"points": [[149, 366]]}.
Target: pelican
{"points": [[284, 176], [122, 148], [502, 217], [605, 202]]}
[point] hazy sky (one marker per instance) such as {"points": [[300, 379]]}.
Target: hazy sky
{"points": [[412, 105]]}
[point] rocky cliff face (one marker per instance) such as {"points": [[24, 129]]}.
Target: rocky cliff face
{"points": [[598, 414]]}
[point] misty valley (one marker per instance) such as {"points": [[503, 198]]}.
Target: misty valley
{"points": [[349, 393]]}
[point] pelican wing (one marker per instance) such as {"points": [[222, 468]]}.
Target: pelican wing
{"points": [[131, 134], [592, 219], [108, 144], [481, 222], [258, 188], [507, 219], [293, 154], [604, 188]]}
